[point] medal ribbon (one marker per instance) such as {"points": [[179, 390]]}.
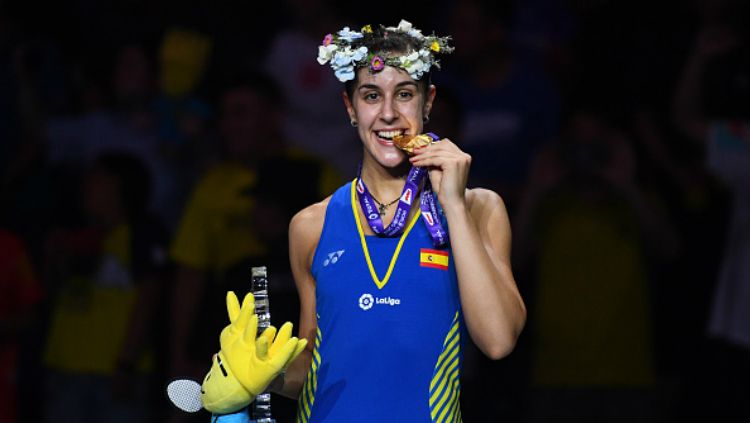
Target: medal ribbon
{"points": [[429, 207]]}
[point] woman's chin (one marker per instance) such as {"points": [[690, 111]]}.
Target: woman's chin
{"points": [[393, 158]]}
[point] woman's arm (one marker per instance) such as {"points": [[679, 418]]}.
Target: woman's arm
{"points": [[493, 308], [304, 233], [480, 239]]}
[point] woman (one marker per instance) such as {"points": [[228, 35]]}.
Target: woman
{"points": [[385, 315]]}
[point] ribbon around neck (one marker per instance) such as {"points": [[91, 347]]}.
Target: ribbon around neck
{"points": [[428, 204]]}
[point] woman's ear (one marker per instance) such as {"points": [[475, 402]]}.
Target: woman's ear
{"points": [[349, 107], [431, 91]]}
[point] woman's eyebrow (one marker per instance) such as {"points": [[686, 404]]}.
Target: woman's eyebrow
{"points": [[368, 87], [404, 83]]}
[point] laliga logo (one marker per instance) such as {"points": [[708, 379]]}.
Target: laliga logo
{"points": [[406, 198], [366, 301], [360, 187], [428, 218]]}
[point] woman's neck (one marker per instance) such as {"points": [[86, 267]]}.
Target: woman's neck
{"points": [[385, 184]]}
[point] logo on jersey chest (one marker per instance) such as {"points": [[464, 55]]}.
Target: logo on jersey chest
{"points": [[333, 257], [367, 301]]}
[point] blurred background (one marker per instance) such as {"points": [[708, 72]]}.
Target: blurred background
{"points": [[151, 152]]}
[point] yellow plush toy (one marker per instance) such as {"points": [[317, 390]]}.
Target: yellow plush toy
{"points": [[246, 364]]}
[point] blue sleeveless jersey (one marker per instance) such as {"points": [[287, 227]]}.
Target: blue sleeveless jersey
{"points": [[388, 346]]}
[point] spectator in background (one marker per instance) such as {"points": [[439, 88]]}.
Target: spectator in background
{"points": [[510, 107], [125, 123], [20, 292], [312, 119], [238, 217], [588, 232], [183, 59], [106, 278], [182, 116], [719, 119]]}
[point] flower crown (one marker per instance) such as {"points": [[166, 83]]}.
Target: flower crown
{"points": [[346, 52]]}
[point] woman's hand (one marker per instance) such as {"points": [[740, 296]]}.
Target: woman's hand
{"points": [[448, 168]]}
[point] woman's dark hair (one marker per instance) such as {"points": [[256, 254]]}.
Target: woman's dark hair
{"points": [[384, 42], [133, 181]]}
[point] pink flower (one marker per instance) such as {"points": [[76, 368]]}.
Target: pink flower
{"points": [[328, 39], [377, 63]]}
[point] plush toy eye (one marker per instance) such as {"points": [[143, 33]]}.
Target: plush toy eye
{"points": [[221, 366]]}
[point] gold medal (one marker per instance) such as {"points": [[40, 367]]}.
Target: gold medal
{"points": [[409, 143]]}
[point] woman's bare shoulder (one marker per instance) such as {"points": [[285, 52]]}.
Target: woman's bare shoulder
{"points": [[307, 225], [483, 199]]}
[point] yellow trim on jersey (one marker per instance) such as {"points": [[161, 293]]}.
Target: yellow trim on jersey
{"points": [[374, 275], [445, 386], [307, 395]]}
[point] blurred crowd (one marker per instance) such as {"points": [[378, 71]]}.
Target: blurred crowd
{"points": [[151, 153]]}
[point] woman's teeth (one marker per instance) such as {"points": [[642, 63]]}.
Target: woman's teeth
{"points": [[388, 135]]}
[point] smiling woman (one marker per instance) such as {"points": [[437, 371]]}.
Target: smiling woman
{"points": [[387, 320]]}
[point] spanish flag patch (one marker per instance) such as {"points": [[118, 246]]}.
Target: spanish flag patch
{"points": [[433, 258]]}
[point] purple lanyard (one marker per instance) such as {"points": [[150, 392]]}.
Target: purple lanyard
{"points": [[429, 207]]}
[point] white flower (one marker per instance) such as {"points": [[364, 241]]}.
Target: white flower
{"points": [[344, 60], [416, 69], [411, 63], [348, 35], [407, 27], [416, 63], [404, 26], [346, 56], [426, 65], [345, 73], [341, 58], [405, 60], [325, 53], [359, 53]]}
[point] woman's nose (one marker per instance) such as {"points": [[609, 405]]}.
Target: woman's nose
{"points": [[389, 112]]}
